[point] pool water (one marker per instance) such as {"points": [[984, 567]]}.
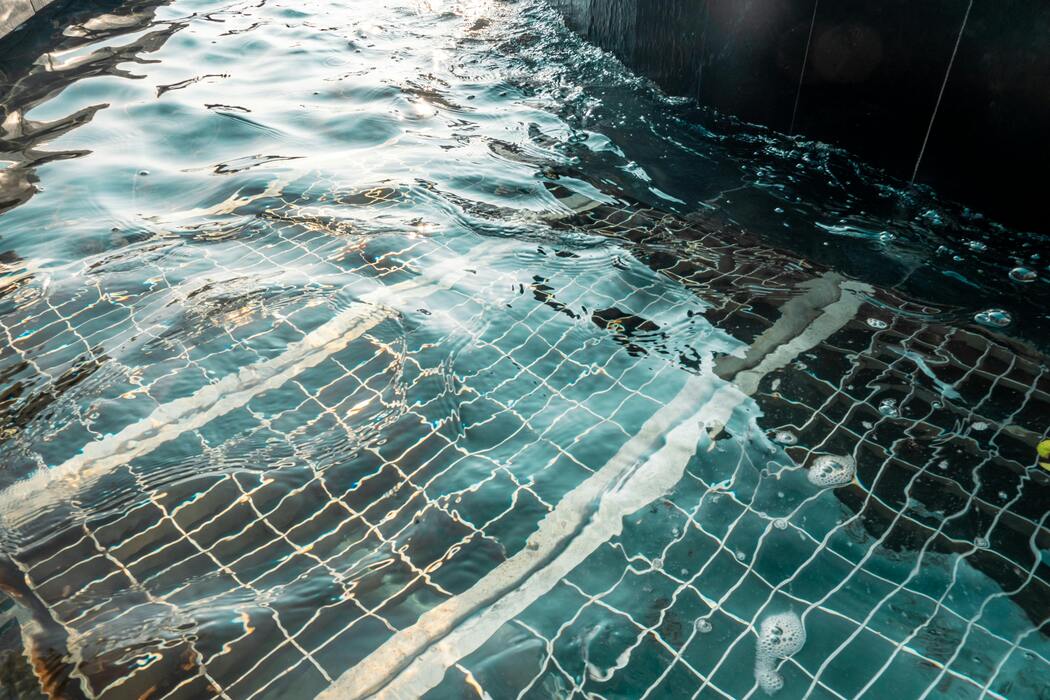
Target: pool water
{"points": [[414, 348]]}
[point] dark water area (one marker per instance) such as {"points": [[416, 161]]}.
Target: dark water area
{"points": [[808, 197], [416, 348], [946, 93]]}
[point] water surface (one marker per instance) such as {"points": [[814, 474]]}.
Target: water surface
{"points": [[415, 347]]}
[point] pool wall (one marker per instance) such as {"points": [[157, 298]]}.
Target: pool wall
{"points": [[950, 92]]}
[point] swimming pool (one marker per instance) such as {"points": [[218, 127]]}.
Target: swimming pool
{"points": [[414, 348]]}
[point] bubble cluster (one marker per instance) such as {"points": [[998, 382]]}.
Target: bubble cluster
{"points": [[779, 636], [878, 323], [888, 407], [996, 318], [785, 437], [832, 470], [768, 678]]}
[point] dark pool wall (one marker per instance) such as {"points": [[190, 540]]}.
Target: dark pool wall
{"points": [[865, 75]]}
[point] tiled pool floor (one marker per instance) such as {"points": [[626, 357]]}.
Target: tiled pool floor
{"points": [[403, 421]]}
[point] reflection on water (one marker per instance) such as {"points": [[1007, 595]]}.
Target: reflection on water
{"points": [[413, 347]]}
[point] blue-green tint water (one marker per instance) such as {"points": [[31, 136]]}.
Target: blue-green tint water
{"points": [[410, 348]]}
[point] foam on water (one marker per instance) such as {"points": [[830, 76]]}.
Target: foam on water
{"points": [[888, 408], [828, 471], [779, 636]]}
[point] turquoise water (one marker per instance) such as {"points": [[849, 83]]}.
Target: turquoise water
{"points": [[414, 348]]}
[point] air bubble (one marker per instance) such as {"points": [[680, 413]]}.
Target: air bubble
{"points": [[888, 407], [1023, 274], [780, 524], [996, 318], [981, 543], [829, 471], [703, 626], [785, 437]]}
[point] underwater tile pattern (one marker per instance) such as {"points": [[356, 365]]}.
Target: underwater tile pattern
{"points": [[483, 421], [930, 566], [486, 403], [428, 407]]}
